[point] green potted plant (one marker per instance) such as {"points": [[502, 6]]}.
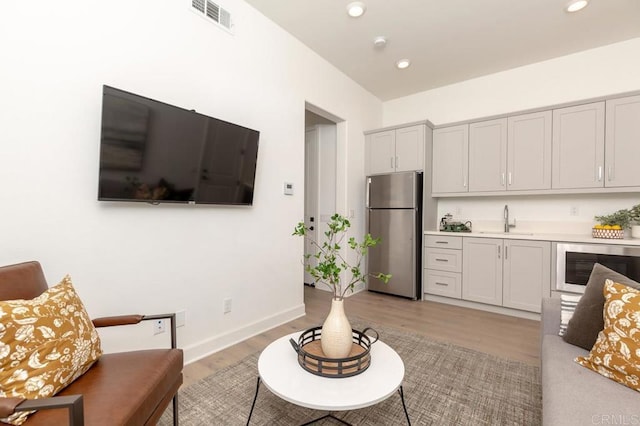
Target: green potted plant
{"points": [[614, 224], [326, 267], [635, 221]]}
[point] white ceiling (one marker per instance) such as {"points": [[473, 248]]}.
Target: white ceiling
{"points": [[447, 41]]}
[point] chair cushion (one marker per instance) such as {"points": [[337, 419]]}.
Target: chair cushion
{"points": [[128, 388], [45, 344]]}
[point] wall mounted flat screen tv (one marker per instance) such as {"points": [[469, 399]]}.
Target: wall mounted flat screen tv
{"points": [[154, 152]]}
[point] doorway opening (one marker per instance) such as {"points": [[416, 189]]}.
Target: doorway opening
{"points": [[320, 177]]}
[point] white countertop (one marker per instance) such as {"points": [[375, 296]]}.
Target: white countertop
{"points": [[515, 235]]}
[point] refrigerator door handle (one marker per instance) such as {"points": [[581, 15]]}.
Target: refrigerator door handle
{"points": [[368, 192]]}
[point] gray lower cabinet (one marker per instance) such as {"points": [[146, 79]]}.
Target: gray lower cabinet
{"points": [[509, 273], [482, 270], [443, 266], [526, 273]]}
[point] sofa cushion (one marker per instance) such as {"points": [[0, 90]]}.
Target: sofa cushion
{"points": [[616, 353], [587, 320], [573, 395], [45, 344]]}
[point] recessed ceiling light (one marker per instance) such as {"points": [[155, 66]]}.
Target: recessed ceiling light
{"points": [[403, 63], [356, 9], [576, 5]]}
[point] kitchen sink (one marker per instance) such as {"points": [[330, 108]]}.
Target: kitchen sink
{"points": [[505, 233]]}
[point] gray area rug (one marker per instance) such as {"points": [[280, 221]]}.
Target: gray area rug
{"points": [[444, 385]]}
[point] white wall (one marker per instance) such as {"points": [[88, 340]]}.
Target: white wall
{"points": [[598, 72], [126, 257]]}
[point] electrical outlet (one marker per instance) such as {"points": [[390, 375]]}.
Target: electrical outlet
{"points": [[159, 326], [574, 211], [226, 305], [181, 318]]}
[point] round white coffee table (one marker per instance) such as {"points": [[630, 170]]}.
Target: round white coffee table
{"points": [[280, 372]]}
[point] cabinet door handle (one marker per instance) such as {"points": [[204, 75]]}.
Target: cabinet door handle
{"points": [[442, 242], [506, 252], [502, 178], [368, 192], [397, 163], [510, 179], [442, 260], [498, 252], [610, 173], [444, 284], [464, 181], [599, 173]]}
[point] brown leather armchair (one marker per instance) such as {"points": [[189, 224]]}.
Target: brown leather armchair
{"points": [[128, 388]]}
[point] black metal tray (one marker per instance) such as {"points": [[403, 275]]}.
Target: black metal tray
{"points": [[312, 359]]}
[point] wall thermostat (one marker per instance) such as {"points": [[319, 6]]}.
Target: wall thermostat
{"points": [[288, 188]]}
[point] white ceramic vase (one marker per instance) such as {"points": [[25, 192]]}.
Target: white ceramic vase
{"points": [[336, 338]]}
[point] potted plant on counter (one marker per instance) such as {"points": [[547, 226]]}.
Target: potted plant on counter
{"points": [[635, 221], [614, 224], [326, 267]]}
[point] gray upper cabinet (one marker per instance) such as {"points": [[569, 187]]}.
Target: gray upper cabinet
{"points": [[381, 152], [450, 159], [578, 147], [397, 150], [512, 154], [581, 147], [622, 146], [488, 155], [529, 151], [410, 148]]}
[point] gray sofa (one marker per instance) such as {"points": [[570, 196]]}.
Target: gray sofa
{"points": [[575, 395]]}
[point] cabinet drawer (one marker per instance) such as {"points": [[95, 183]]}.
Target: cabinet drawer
{"points": [[443, 283], [443, 241], [443, 259]]}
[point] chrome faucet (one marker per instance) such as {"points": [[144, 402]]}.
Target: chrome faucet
{"points": [[507, 225]]}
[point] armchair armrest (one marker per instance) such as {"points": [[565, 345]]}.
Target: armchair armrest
{"points": [[135, 319], [73, 403]]}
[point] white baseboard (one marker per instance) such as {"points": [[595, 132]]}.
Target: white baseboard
{"points": [[483, 307], [209, 346]]}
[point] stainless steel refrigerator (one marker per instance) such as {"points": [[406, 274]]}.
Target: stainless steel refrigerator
{"points": [[394, 214]]}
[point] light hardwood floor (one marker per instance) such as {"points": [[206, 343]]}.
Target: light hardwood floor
{"points": [[504, 336]]}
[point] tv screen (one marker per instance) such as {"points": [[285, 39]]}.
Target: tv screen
{"points": [[154, 152]]}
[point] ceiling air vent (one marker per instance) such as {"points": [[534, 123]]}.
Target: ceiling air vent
{"points": [[213, 12]]}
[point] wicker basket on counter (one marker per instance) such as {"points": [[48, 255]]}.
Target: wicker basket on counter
{"points": [[617, 234]]}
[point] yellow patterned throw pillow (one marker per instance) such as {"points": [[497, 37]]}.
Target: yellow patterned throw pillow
{"points": [[45, 344], [616, 353]]}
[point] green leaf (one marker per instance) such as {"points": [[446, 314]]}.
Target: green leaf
{"points": [[327, 264]]}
